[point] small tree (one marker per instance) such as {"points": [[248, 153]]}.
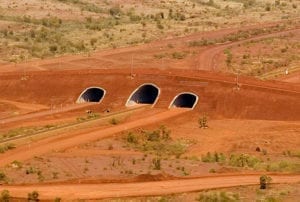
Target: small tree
{"points": [[203, 122], [264, 180], [114, 121], [2, 176], [5, 197], [57, 199], [157, 163]]}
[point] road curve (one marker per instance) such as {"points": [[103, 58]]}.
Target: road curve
{"points": [[59, 143], [116, 190], [207, 59]]}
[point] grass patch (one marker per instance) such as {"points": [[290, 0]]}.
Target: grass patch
{"points": [[114, 121], [214, 196], [179, 55], [280, 166], [24, 131], [6, 147], [253, 162]]}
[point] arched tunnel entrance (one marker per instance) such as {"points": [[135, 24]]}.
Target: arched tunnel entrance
{"points": [[91, 94], [145, 94], [184, 100]]}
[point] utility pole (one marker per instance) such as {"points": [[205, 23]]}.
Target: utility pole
{"points": [[237, 81], [131, 67]]}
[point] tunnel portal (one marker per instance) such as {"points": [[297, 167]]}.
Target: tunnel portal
{"points": [[91, 94], [144, 94], [184, 100]]}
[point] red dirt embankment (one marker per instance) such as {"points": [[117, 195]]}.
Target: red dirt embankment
{"points": [[55, 143], [218, 95]]}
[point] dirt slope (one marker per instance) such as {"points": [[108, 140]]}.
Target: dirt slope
{"points": [[59, 143]]}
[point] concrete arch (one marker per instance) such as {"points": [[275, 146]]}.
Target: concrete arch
{"points": [[91, 94], [147, 93], [184, 100]]}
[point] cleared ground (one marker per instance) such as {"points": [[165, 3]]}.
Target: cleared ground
{"points": [[240, 127]]}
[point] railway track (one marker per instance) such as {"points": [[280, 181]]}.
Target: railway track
{"points": [[71, 125], [57, 143]]}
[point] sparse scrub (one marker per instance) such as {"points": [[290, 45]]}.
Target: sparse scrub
{"points": [[216, 157], [218, 196], [6, 147], [212, 170], [203, 42], [203, 122], [280, 166], [243, 160], [228, 53], [90, 116], [157, 141], [62, 34], [160, 55], [86, 6], [179, 55]]}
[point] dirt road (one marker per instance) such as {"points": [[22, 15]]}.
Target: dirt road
{"points": [[59, 143], [207, 59], [116, 190]]}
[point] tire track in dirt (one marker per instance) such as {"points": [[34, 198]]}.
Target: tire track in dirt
{"points": [[153, 188]]}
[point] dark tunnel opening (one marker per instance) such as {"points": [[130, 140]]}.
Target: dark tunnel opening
{"points": [[93, 94], [184, 100], [145, 94]]}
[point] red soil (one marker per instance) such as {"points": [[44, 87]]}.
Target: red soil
{"points": [[113, 190], [62, 80], [60, 143]]}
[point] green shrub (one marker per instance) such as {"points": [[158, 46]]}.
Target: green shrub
{"points": [[159, 25], [57, 199], [243, 160], [156, 163], [33, 196], [2, 176], [212, 158], [131, 138], [115, 11], [203, 122], [268, 7], [203, 42], [114, 121], [5, 196], [6, 147], [264, 180], [179, 55], [156, 141]]}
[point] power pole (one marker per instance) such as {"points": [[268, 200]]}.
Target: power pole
{"points": [[237, 81], [131, 67]]}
